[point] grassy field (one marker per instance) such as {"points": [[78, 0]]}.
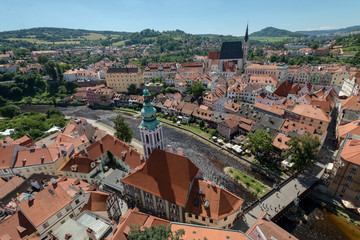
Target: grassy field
{"points": [[34, 40], [94, 36], [256, 187], [188, 127], [270, 39]]}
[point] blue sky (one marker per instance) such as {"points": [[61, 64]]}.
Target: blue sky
{"points": [[192, 16]]}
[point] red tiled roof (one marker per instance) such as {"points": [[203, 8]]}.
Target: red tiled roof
{"points": [[311, 111], [16, 226], [6, 155], [221, 202], [83, 165], [116, 147], [9, 186], [36, 156], [269, 229], [280, 141], [34, 210], [283, 89], [97, 202], [26, 140], [135, 218], [351, 151], [166, 175], [352, 128], [193, 231], [188, 108], [202, 113]]}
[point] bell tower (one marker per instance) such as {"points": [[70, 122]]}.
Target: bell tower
{"points": [[150, 128], [246, 44]]}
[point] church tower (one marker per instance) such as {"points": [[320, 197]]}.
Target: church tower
{"points": [[150, 128], [246, 44]]}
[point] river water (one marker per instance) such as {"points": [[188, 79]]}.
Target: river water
{"points": [[208, 159], [321, 224]]}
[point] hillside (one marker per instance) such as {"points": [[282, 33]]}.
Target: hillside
{"points": [[275, 32], [330, 31]]}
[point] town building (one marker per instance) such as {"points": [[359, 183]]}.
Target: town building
{"points": [[160, 70], [119, 79], [100, 95], [345, 177], [309, 115], [279, 71]]}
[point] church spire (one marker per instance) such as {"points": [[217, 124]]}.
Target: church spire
{"points": [[247, 33]]}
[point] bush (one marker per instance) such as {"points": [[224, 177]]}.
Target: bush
{"points": [[10, 111]]}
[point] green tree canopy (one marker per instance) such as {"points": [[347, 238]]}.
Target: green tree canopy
{"points": [[197, 89], [260, 144], [201, 123], [10, 111], [303, 150], [132, 89], [160, 232], [122, 129], [42, 59]]}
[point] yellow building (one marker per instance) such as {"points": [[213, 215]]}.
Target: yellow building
{"points": [[120, 79]]}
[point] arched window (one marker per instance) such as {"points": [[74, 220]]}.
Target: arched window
{"points": [[158, 137], [147, 138], [148, 150]]}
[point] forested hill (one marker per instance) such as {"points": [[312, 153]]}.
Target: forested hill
{"points": [[275, 32]]}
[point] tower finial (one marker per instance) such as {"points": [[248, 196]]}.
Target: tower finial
{"points": [[247, 32]]}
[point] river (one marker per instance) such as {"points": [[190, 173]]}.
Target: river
{"points": [[209, 160], [321, 224]]}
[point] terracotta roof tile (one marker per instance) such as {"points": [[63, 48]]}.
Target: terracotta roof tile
{"points": [[10, 227], [267, 228], [351, 151], [116, 147], [135, 218], [9, 186], [205, 232], [352, 128], [222, 203], [166, 175], [83, 165], [280, 141], [34, 210], [311, 111]]}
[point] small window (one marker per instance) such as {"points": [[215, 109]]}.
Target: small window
{"points": [[77, 201], [354, 168], [189, 215], [211, 221], [45, 225], [59, 215], [343, 190], [203, 219], [347, 183], [225, 218], [196, 217]]}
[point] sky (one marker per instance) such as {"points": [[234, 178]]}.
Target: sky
{"points": [[228, 17]]}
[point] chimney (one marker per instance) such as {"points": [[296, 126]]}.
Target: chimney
{"points": [[42, 159], [68, 236], [100, 142], [31, 199], [54, 182], [91, 233], [169, 148], [35, 184], [24, 161], [180, 151]]}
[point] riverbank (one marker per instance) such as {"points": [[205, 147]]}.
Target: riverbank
{"points": [[256, 188]]}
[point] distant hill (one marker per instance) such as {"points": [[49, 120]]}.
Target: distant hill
{"points": [[275, 32], [330, 31]]}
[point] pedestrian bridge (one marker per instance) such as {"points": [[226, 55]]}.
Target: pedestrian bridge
{"points": [[283, 195]]}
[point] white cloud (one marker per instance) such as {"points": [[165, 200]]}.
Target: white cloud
{"points": [[320, 28]]}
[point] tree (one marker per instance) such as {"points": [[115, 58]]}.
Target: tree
{"points": [[122, 129], [42, 59], [132, 89], [197, 90], [303, 149], [10, 111], [2, 101], [16, 93], [160, 232], [315, 46], [260, 144], [53, 111], [201, 123], [213, 132]]}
